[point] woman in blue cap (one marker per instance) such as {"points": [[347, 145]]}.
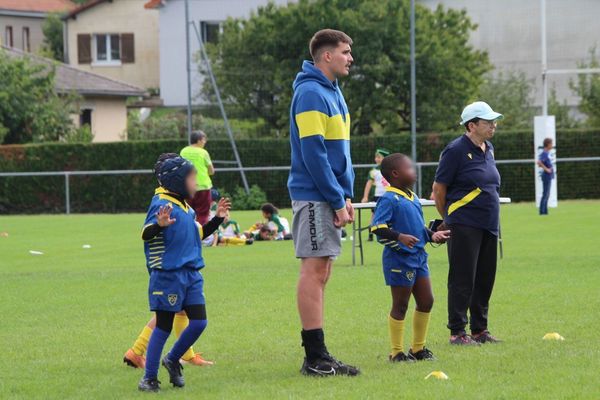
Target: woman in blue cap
{"points": [[466, 191]]}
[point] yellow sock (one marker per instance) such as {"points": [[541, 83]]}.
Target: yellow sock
{"points": [[234, 240], [396, 335], [179, 324], [141, 343], [420, 325]]}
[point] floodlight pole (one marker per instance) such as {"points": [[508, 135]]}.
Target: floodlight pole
{"points": [[544, 59], [189, 71], [221, 107], [413, 85]]}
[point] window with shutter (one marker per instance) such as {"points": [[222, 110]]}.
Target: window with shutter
{"points": [[84, 48], [127, 48], [9, 36]]}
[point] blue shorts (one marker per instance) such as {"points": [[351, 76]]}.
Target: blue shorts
{"points": [[174, 290], [406, 270]]}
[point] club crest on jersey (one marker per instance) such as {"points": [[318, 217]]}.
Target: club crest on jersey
{"points": [[172, 299], [410, 275], [470, 156]]}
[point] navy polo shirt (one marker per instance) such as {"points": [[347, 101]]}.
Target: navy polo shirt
{"points": [[473, 182]]}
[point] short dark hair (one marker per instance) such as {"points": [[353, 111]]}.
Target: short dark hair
{"points": [[197, 136], [326, 38], [269, 209], [547, 142], [474, 120], [389, 163]]}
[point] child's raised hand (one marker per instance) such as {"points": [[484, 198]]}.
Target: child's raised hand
{"points": [[163, 216], [408, 240], [440, 236], [223, 206]]}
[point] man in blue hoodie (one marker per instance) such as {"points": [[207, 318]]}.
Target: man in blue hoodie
{"points": [[321, 185]]}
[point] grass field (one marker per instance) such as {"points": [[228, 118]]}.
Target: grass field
{"points": [[68, 315]]}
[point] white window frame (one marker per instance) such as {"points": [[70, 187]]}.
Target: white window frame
{"points": [[108, 62]]}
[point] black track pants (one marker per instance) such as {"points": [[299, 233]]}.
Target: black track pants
{"points": [[472, 254]]}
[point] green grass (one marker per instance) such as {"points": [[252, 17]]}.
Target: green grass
{"points": [[67, 316]]}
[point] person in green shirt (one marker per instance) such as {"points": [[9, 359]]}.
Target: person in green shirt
{"points": [[199, 157]]}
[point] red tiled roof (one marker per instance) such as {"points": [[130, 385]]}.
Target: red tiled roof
{"points": [[153, 4], [42, 6], [88, 4]]}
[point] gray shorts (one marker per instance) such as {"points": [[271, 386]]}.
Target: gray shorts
{"points": [[313, 230]]}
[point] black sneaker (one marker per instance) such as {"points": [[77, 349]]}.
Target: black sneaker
{"points": [[174, 368], [422, 355], [149, 385], [485, 337], [401, 357], [343, 369], [463, 340], [328, 366]]}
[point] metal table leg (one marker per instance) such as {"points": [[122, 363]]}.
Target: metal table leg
{"points": [[360, 243], [353, 243]]}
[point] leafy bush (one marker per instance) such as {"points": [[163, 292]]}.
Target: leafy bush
{"points": [[251, 201], [172, 124]]}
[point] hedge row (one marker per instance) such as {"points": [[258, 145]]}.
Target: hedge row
{"points": [[131, 192]]}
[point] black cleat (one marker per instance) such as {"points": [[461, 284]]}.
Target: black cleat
{"points": [[422, 355], [174, 368], [401, 357], [149, 385], [328, 366]]}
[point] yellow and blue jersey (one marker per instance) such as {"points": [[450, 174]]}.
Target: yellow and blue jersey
{"points": [[400, 211], [321, 167], [176, 246]]}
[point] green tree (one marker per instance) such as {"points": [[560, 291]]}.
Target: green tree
{"points": [[511, 93], [561, 112], [31, 110], [257, 58], [52, 46], [587, 87]]}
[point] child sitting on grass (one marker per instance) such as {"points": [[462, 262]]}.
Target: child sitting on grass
{"points": [[399, 225], [230, 234], [172, 245], [276, 223]]}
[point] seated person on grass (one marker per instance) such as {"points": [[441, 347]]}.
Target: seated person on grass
{"points": [[276, 223]]}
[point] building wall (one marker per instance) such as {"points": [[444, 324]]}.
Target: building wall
{"points": [[173, 69], [120, 16], [36, 36], [109, 118], [510, 31]]}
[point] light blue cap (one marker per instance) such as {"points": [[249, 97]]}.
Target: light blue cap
{"points": [[479, 109]]}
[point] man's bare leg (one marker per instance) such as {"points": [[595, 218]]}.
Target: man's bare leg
{"points": [[314, 273]]}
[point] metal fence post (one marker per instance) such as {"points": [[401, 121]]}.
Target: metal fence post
{"points": [[419, 179], [67, 194]]}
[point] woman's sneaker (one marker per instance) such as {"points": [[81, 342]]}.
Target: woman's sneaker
{"points": [[422, 355], [401, 357], [463, 340], [485, 337]]}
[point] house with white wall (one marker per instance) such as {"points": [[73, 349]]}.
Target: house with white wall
{"points": [[208, 16]]}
